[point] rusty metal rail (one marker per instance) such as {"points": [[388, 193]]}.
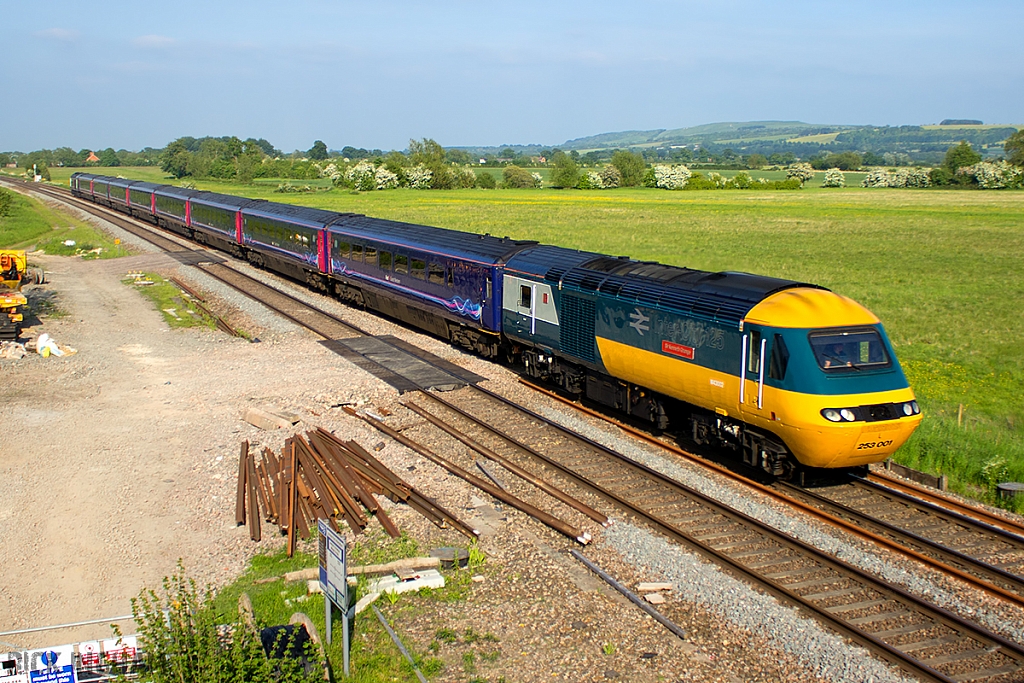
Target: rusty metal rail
{"points": [[322, 477]]}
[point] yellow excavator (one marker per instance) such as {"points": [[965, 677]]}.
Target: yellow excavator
{"points": [[14, 273]]}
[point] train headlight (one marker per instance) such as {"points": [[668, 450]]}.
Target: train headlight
{"points": [[847, 415], [917, 408], [832, 415], [908, 409]]}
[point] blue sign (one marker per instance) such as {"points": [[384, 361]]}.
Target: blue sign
{"points": [[58, 674]]}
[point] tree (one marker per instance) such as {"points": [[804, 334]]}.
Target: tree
{"points": [[458, 156], [1014, 148], [844, 161], [486, 180], [631, 166], [516, 177], [175, 159], [872, 159], [755, 161], [566, 173], [318, 152], [426, 152], [108, 157], [959, 156]]}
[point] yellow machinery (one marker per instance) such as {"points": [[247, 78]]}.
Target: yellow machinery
{"points": [[14, 273]]}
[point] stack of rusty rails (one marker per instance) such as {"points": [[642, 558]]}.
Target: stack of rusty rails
{"points": [[321, 477], [198, 300], [540, 515], [397, 490]]}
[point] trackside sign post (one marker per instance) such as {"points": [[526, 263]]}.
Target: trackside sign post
{"points": [[56, 665], [333, 581]]}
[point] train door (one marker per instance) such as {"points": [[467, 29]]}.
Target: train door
{"points": [[753, 372]]}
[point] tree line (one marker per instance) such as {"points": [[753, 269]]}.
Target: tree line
{"points": [[425, 163]]}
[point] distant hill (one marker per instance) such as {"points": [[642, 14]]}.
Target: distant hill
{"points": [[925, 144], [709, 132]]}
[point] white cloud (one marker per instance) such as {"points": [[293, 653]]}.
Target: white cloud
{"points": [[153, 41], [62, 34]]}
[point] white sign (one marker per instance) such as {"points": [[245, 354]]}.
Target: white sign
{"points": [[119, 650], [13, 667], [333, 570]]}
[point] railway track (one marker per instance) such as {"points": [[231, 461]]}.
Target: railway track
{"points": [[923, 639], [212, 263], [990, 553], [928, 641], [963, 541]]}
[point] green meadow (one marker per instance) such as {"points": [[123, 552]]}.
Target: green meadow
{"points": [[941, 268], [31, 224]]}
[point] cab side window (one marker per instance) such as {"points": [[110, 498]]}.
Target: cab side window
{"points": [[754, 353], [525, 296], [778, 359]]}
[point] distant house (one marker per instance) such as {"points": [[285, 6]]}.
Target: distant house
{"points": [[92, 158]]}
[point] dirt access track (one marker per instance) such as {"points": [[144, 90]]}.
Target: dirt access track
{"points": [[121, 459]]}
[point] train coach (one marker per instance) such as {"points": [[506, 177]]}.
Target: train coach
{"points": [[788, 374]]}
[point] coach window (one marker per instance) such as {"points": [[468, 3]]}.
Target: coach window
{"points": [[342, 249], [419, 269], [384, 260], [435, 273], [357, 252], [401, 263], [370, 255], [525, 296]]}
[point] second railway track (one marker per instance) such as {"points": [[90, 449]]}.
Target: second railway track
{"points": [[928, 641]]}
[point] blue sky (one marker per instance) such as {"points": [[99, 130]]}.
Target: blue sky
{"points": [[130, 75]]}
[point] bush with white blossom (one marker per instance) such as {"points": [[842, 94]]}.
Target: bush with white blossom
{"points": [[897, 177], [994, 175], [671, 177], [802, 172], [385, 179], [363, 175], [834, 178], [419, 177], [332, 171]]}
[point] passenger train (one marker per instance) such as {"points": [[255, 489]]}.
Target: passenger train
{"points": [[788, 374]]}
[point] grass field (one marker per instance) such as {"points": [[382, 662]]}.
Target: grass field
{"points": [[34, 224], [941, 268]]}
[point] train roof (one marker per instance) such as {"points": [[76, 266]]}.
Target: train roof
{"points": [[145, 186], [456, 243], [176, 192], [302, 215], [724, 297], [224, 201]]}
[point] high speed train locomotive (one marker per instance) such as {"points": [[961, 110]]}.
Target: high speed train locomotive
{"points": [[788, 374]]}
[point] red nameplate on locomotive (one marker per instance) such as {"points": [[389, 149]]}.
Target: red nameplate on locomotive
{"points": [[677, 350]]}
